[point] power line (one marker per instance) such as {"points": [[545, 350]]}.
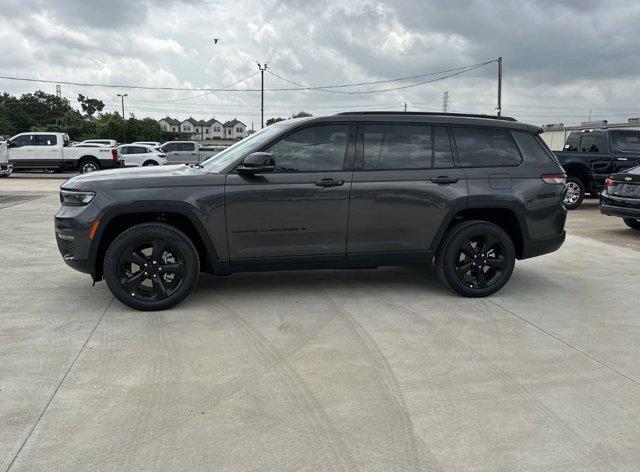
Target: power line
{"points": [[458, 71]]}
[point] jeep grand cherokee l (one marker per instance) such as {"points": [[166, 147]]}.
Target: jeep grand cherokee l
{"points": [[470, 194]]}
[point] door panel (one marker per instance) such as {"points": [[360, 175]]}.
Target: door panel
{"points": [[400, 209], [394, 211], [286, 214], [299, 210], [48, 151], [25, 151]]}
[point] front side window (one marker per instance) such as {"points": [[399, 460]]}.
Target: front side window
{"points": [[627, 142], [572, 142], [188, 147], [23, 140], [319, 148], [485, 147], [46, 140], [397, 146]]}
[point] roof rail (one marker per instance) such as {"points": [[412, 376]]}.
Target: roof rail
{"points": [[427, 113]]}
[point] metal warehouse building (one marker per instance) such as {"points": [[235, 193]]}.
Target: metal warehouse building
{"points": [[556, 134]]}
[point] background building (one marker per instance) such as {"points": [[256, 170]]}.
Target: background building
{"points": [[205, 129]]}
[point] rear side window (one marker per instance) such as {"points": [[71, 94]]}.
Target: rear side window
{"points": [[397, 146], [46, 140], [442, 155], [485, 147], [532, 148], [171, 147], [595, 143], [627, 142]]}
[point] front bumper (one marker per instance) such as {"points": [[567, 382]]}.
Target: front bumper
{"points": [[540, 246], [72, 228], [6, 169]]}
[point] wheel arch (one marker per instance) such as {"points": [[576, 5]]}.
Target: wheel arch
{"points": [[505, 215], [116, 221]]}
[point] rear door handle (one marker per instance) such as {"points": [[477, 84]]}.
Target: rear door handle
{"points": [[444, 180], [329, 183]]}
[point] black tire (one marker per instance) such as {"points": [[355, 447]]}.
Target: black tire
{"points": [[160, 246], [633, 223], [88, 165], [457, 252], [150, 163], [574, 193]]}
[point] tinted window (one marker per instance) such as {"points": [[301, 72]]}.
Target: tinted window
{"points": [[533, 148], [478, 147], [124, 150], [595, 143], [24, 140], [46, 140], [627, 142], [314, 149], [442, 155], [572, 142], [171, 147], [397, 146], [188, 147]]}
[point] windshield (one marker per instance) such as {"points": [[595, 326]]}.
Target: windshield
{"points": [[221, 160]]}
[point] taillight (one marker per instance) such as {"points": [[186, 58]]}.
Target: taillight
{"points": [[609, 182], [114, 155], [557, 179], [162, 155]]}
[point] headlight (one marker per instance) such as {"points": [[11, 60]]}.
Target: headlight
{"points": [[76, 198]]}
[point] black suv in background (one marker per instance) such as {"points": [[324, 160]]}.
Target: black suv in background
{"points": [[356, 190], [590, 155]]}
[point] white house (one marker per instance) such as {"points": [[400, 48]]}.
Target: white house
{"points": [[169, 124], [198, 129], [235, 129]]}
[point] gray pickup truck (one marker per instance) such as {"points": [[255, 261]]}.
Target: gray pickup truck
{"points": [[188, 152]]}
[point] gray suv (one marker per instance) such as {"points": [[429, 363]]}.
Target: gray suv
{"points": [[469, 194]]}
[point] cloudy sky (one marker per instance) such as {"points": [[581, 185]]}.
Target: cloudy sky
{"points": [[561, 58]]}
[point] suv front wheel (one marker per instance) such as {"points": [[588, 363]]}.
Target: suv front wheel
{"points": [[151, 266], [475, 259]]}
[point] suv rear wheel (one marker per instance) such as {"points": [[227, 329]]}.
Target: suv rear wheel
{"points": [[475, 259], [151, 266], [633, 223], [574, 193]]}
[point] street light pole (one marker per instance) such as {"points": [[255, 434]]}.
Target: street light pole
{"points": [[262, 69], [499, 86], [124, 120]]}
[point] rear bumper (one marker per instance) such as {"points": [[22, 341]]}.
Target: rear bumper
{"points": [[623, 212], [540, 246]]}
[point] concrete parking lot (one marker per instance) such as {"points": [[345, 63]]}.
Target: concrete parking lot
{"points": [[326, 370]]}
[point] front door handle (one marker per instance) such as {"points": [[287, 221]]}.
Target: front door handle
{"points": [[444, 180], [329, 183]]}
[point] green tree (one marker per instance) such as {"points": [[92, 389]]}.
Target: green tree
{"points": [[90, 105], [302, 114], [273, 120]]}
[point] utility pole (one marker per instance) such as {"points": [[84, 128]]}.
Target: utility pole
{"points": [[405, 106], [499, 109], [262, 69], [445, 102], [58, 91], [124, 120]]}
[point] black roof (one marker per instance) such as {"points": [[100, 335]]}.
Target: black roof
{"points": [[453, 119], [426, 113]]}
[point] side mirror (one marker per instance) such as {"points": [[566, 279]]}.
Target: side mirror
{"points": [[10, 144], [257, 162]]}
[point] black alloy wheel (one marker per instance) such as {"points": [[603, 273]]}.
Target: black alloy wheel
{"points": [[151, 266], [151, 270], [475, 259]]}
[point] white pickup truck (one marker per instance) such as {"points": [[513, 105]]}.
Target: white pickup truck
{"points": [[53, 152], [188, 152]]}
